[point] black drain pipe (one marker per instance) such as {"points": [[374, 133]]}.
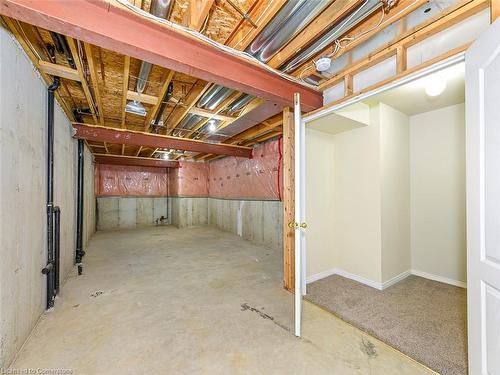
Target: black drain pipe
{"points": [[79, 209], [49, 269], [57, 248]]}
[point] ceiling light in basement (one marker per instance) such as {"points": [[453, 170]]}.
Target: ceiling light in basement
{"points": [[323, 64], [135, 108], [435, 85], [212, 126]]}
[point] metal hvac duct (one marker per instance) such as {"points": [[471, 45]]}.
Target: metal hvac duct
{"points": [[289, 21], [239, 103], [161, 9], [363, 11], [189, 121]]}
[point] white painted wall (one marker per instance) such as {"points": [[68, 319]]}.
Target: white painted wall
{"points": [[395, 185], [319, 201], [437, 149], [23, 102]]}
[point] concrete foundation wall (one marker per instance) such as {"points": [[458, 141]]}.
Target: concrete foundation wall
{"points": [[257, 221], [188, 212], [23, 143], [130, 212]]}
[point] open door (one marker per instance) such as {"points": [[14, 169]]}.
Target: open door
{"points": [[299, 224], [483, 201]]}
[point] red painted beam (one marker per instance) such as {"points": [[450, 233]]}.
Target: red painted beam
{"points": [[110, 25], [135, 161], [134, 138]]}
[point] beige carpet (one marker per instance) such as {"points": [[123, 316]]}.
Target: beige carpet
{"points": [[422, 318]]}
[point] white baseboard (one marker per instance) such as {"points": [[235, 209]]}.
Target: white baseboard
{"points": [[396, 279], [385, 284], [359, 279], [441, 279], [347, 275], [321, 275]]}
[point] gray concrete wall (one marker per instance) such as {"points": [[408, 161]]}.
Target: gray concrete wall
{"points": [[23, 112], [188, 212], [257, 221], [130, 212]]}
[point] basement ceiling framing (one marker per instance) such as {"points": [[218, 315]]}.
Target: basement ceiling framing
{"points": [[98, 83]]}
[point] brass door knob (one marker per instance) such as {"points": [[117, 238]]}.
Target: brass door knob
{"points": [[293, 225], [303, 225]]}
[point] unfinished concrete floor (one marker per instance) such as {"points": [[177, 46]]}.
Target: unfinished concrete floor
{"points": [[182, 301]]}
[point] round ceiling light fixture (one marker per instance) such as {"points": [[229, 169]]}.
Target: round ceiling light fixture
{"points": [[323, 64], [435, 85], [212, 126]]}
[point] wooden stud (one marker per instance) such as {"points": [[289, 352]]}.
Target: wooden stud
{"points": [[368, 28], [401, 60], [59, 70], [93, 78], [408, 71], [495, 10], [288, 200], [412, 37], [347, 84], [79, 68]]}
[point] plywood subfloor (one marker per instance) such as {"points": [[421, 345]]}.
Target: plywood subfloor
{"points": [[182, 301]]}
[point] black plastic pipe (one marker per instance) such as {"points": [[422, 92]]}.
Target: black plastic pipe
{"points": [[57, 248], [164, 101], [49, 268], [79, 253]]}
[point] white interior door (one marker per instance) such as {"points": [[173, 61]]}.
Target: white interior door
{"points": [[299, 211], [483, 201]]}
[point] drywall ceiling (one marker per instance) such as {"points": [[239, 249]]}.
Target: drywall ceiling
{"points": [[412, 99], [355, 116]]}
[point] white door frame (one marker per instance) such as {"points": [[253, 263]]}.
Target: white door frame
{"points": [[300, 169]]}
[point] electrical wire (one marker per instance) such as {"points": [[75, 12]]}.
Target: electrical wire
{"points": [[222, 47], [338, 42]]}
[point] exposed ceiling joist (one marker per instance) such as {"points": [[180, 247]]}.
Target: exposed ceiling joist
{"points": [[135, 161], [93, 78], [110, 25], [133, 138], [79, 68]]}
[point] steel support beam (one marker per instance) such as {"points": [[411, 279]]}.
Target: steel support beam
{"points": [[135, 161], [109, 24], [134, 138]]}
